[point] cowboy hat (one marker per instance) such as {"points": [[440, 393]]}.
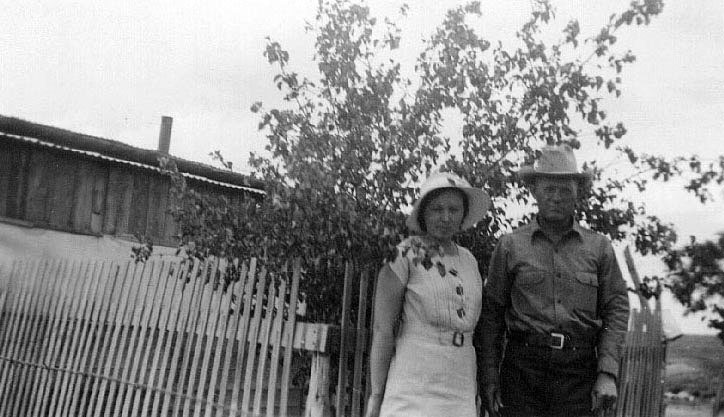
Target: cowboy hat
{"points": [[555, 162], [478, 200]]}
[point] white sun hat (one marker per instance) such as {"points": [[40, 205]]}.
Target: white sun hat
{"points": [[478, 200]]}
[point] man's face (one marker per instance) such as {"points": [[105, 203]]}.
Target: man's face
{"points": [[556, 198]]}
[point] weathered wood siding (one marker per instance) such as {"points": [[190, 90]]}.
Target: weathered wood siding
{"points": [[71, 192]]}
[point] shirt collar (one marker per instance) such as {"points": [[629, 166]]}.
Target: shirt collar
{"points": [[575, 230]]}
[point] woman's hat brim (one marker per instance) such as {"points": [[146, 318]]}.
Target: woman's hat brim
{"points": [[478, 205]]}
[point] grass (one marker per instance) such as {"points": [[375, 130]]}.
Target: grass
{"points": [[694, 363]]}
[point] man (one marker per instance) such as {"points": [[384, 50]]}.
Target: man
{"points": [[556, 295]]}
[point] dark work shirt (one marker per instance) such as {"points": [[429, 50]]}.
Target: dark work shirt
{"points": [[573, 287]]}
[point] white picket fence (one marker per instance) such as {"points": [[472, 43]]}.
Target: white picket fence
{"points": [[102, 338]]}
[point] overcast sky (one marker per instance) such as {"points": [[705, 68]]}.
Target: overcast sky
{"points": [[113, 68]]}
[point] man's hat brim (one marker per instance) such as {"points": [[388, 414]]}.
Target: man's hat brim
{"points": [[527, 173]]}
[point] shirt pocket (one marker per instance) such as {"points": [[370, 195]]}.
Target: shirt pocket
{"points": [[528, 293], [529, 277], [585, 291]]}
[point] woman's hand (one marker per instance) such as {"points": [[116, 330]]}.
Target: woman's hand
{"points": [[373, 405]]}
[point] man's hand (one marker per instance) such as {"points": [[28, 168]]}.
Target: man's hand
{"points": [[493, 402], [604, 394], [373, 405]]}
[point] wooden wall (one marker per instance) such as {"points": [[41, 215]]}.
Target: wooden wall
{"points": [[71, 192]]}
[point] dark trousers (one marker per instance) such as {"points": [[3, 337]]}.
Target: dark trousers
{"points": [[545, 382]]}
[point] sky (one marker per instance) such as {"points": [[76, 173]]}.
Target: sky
{"points": [[113, 68]]}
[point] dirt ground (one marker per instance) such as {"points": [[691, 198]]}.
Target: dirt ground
{"points": [[689, 410]]}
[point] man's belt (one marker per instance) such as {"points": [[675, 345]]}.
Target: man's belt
{"points": [[551, 340]]}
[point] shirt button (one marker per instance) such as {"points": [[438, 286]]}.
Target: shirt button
{"points": [[461, 312], [459, 290]]}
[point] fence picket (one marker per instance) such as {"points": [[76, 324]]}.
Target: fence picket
{"points": [[636, 366], [253, 335], [342, 372], [629, 349], [276, 341], [265, 328], [646, 360], [360, 343], [289, 335]]}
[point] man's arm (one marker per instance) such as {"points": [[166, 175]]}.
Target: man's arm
{"points": [[490, 331], [613, 309]]}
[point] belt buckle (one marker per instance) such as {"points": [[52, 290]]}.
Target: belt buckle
{"points": [[458, 341], [561, 338]]}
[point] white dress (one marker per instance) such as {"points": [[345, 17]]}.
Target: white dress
{"points": [[433, 370]]}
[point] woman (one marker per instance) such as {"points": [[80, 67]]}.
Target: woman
{"points": [[432, 291]]}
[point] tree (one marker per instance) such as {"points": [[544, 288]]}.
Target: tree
{"points": [[347, 149], [697, 278]]}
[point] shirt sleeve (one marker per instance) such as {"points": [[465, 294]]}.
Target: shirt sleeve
{"points": [[490, 331], [613, 311]]}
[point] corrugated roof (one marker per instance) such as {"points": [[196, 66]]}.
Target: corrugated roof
{"points": [[111, 150]]}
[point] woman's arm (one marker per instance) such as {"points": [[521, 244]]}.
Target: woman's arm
{"points": [[388, 304]]}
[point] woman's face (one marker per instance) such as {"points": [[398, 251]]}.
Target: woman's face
{"points": [[444, 215]]}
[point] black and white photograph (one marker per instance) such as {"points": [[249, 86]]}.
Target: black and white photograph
{"points": [[362, 208]]}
